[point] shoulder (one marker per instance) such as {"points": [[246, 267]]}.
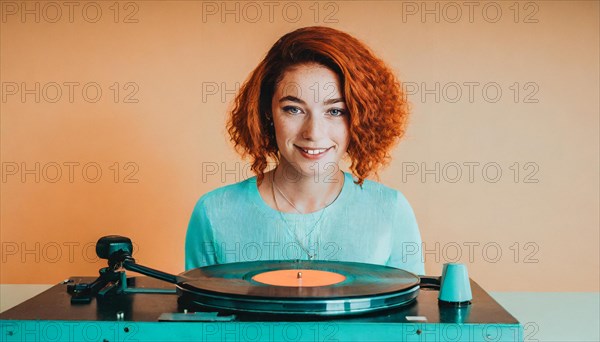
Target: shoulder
{"points": [[373, 190], [228, 194], [377, 198]]}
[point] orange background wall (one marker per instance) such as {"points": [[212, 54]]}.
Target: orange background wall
{"points": [[166, 72]]}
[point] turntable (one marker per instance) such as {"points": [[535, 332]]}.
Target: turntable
{"points": [[257, 301]]}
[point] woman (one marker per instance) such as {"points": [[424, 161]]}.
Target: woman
{"points": [[318, 96]]}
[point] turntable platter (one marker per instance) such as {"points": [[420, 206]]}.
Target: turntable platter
{"points": [[321, 288]]}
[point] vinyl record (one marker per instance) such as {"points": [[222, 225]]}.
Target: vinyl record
{"points": [[322, 288]]}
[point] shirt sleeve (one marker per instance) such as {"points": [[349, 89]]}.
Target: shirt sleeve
{"points": [[406, 245], [199, 241]]}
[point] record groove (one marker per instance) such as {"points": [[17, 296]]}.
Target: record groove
{"points": [[231, 287]]}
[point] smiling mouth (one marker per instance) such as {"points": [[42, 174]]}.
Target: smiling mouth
{"points": [[313, 151]]}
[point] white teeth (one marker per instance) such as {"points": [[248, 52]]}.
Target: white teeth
{"points": [[313, 152]]}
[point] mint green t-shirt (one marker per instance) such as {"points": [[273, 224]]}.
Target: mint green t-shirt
{"points": [[373, 224]]}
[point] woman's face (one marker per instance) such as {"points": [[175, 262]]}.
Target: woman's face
{"points": [[311, 121]]}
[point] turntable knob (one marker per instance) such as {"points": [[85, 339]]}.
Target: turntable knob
{"points": [[455, 288]]}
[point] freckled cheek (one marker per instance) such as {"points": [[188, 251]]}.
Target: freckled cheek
{"points": [[342, 137], [285, 133]]}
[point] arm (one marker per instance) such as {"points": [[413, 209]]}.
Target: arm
{"points": [[406, 245], [199, 241]]}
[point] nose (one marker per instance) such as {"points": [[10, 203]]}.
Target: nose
{"points": [[313, 128]]}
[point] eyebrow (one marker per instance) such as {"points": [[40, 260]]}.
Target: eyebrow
{"points": [[291, 98], [295, 99], [332, 101]]}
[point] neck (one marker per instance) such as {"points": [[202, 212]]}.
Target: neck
{"points": [[307, 193]]}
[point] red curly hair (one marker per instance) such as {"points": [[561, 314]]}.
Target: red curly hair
{"points": [[376, 105]]}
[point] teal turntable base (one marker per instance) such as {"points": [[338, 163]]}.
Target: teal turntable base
{"points": [[50, 316]]}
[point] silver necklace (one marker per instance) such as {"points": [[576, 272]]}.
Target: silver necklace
{"points": [[284, 196], [293, 233]]}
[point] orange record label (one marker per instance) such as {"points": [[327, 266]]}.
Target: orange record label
{"points": [[299, 278]]}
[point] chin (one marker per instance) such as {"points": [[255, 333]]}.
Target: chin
{"points": [[319, 168]]}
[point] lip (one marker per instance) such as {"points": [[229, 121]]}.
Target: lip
{"points": [[312, 156]]}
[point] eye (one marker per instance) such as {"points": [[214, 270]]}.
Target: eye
{"points": [[337, 112], [292, 110]]}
